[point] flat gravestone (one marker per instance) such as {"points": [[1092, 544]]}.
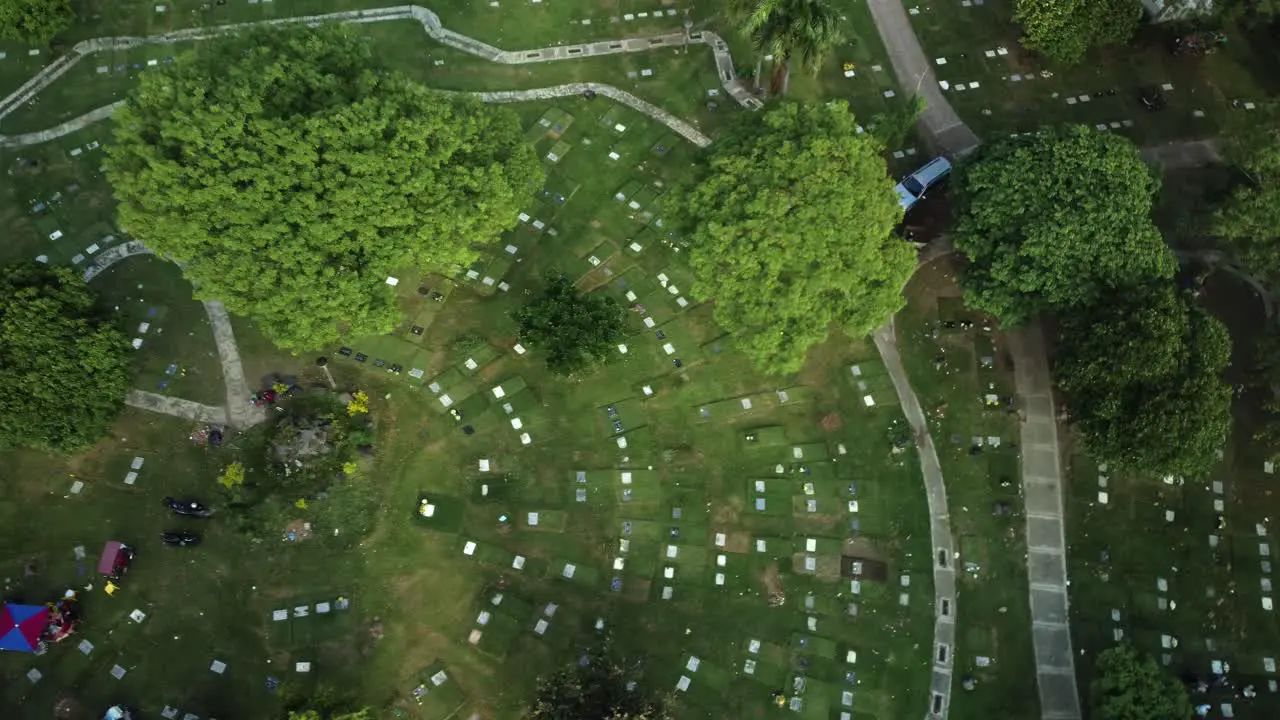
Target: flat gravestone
{"points": [[85, 646], [118, 672], [218, 667], [34, 675], [169, 712]]}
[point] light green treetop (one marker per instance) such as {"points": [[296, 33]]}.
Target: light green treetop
{"points": [[790, 230], [1064, 30], [291, 175]]}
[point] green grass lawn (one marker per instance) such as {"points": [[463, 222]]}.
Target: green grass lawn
{"points": [[978, 44], [777, 495], [953, 367], [1130, 535]]}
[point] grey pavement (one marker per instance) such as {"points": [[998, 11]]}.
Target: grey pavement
{"points": [[942, 126], [944, 576], [430, 23], [177, 407], [1179, 155], [240, 412], [1046, 543]]}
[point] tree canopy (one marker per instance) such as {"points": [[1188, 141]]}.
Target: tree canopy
{"points": [[597, 689], [1130, 686], [1054, 220], [1142, 371], [1064, 30], [34, 21], [802, 30], [291, 176], [64, 366], [1250, 217], [790, 232], [576, 332]]}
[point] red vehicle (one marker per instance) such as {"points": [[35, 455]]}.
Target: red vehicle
{"points": [[115, 560]]}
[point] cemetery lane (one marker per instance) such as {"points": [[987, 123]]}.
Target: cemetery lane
{"points": [[942, 126], [1046, 545]]}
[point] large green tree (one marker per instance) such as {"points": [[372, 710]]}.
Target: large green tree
{"points": [[34, 21], [790, 226], [790, 30], [1064, 30], [576, 332], [1142, 372], [1053, 220], [291, 175], [1130, 686], [64, 366]]}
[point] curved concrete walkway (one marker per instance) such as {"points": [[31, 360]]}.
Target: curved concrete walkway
{"points": [[677, 125], [944, 576], [238, 412], [434, 29]]}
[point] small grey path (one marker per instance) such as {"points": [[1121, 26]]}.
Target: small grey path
{"points": [[944, 576], [1183, 155], [1046, 542], [942, 125], [238, 412], [177, 407], [681, 127], [430, 23]]}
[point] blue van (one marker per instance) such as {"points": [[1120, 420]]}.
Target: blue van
{"points": [[913, 186]]}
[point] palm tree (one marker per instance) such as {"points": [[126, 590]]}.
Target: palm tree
{"points": [[802, 30]]}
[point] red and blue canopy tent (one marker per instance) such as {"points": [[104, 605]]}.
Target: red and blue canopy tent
{"points": [[22, 625]]}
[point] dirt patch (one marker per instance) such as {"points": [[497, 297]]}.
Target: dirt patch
{"points": [[298, 529], [772, 581], [637, 591], [726, 514], [857, 547], [832, 422], [737, 542]]}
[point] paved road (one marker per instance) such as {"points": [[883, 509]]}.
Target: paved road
{"points": [[1046, 556], [941, 125], [177, 407], [944, 577], [1046, 545], [1179, 155]]}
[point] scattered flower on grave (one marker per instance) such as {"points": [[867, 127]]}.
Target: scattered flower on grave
{"points": [[359, 403], [300, 503], [232, 477], [849, 66], [349, 468]]}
